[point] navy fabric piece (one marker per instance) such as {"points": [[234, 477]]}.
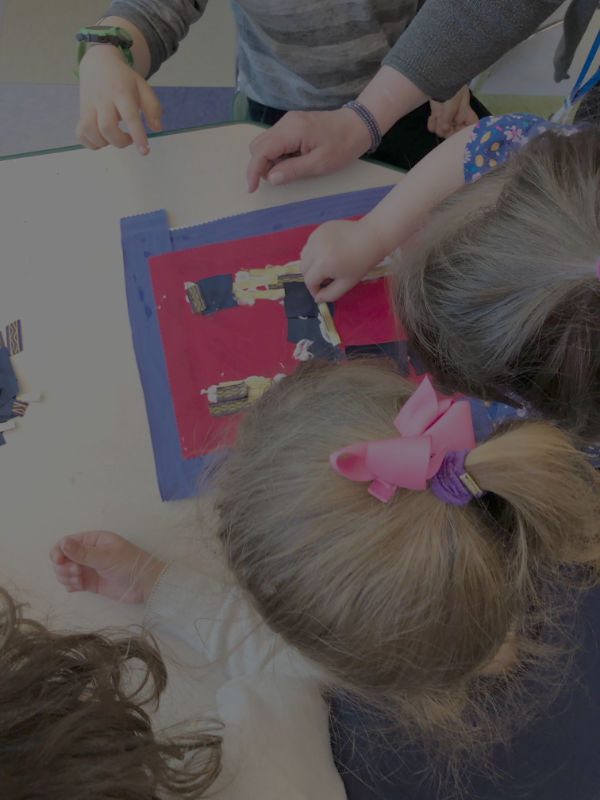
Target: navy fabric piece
{"points": [[217, 293], [554, 758], [298, 301], [9, 386], [309, 328]]}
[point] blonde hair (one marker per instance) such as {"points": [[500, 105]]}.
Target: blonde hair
{"points": [[501, 298], [403, 603]]}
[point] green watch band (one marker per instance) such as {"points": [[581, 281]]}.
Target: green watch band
{"points": [[105, 34]]}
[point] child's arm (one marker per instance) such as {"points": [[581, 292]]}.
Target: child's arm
{"points": [[343, 251], [209, 615], [104, 563], [110, 91]]}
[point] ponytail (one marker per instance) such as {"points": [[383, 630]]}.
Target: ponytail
{"points": [[551, 488], [404, 603]]}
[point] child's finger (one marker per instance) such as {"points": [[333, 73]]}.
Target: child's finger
{"points": [[86, 555], [313, 278], [108, 124], [67, 570], [70, 581], [129, 111], [57, 556], [87, 131], [333, 291], [150, 106], [306, 262]]}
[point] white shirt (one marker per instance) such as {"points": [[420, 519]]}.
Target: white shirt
{"points": [[276, 735]]}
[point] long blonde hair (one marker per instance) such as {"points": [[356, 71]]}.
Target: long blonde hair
{"points": [[500, 296], [403, 603]]}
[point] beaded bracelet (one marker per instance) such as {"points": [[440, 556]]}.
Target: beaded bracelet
{"points": [[369, 120]]}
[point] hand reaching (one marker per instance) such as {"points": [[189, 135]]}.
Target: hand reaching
{"points": [[111, 91], [340, 252], [105, 563], [305, 143], [453, 115]]}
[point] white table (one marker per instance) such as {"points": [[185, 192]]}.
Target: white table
{"points": [[81, 459]]}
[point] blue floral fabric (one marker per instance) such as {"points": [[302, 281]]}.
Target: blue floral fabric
{"points": [[495, 138]]}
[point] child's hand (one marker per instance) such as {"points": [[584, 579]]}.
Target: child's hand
{"points": [[340, 252], [104, 563], [453, 115], [110, 91]]}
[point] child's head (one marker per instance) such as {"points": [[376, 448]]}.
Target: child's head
{"points": [[404, 602], [501, 296], [72, 722]]}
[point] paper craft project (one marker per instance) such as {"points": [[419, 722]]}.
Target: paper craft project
{"points": [[146, 235], [236, 316]]}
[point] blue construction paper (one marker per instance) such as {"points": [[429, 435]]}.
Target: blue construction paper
{"points": [[148, 235]]}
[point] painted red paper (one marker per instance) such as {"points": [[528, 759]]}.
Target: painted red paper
{"points": [[244, 341]]}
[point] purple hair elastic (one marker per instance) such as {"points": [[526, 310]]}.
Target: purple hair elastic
{"points": [[452, 483]]}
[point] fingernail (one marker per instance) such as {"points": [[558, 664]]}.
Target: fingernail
{"points": [[143, 149], [74, 581], [276, 178], [74, 569]]}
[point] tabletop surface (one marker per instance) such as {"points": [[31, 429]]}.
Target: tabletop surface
{"points": [[81, 459]]}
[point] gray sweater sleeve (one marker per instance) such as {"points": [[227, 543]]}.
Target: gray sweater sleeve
{"points": [[163, 23], [450, 41]]}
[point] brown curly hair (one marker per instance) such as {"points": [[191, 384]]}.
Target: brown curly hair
{"points": [[72, 722]]}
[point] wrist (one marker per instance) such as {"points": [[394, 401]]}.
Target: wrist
{"points": [[378, 236], [369, 122], [149, 575], [139, 48], [356, 132], [110, 35], [389, 96]]}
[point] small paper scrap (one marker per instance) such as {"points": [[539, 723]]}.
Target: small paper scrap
{"points": [[14, 337]]}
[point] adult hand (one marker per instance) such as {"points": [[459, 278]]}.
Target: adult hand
{"points": [[341, 253], [453, 115], [105, 563], [305, 143], [111, 91]]}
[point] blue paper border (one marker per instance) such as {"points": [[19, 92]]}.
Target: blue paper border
{"points": [[149, 235]]}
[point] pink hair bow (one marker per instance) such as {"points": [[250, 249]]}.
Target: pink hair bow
{"points": [[429, 427]]}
